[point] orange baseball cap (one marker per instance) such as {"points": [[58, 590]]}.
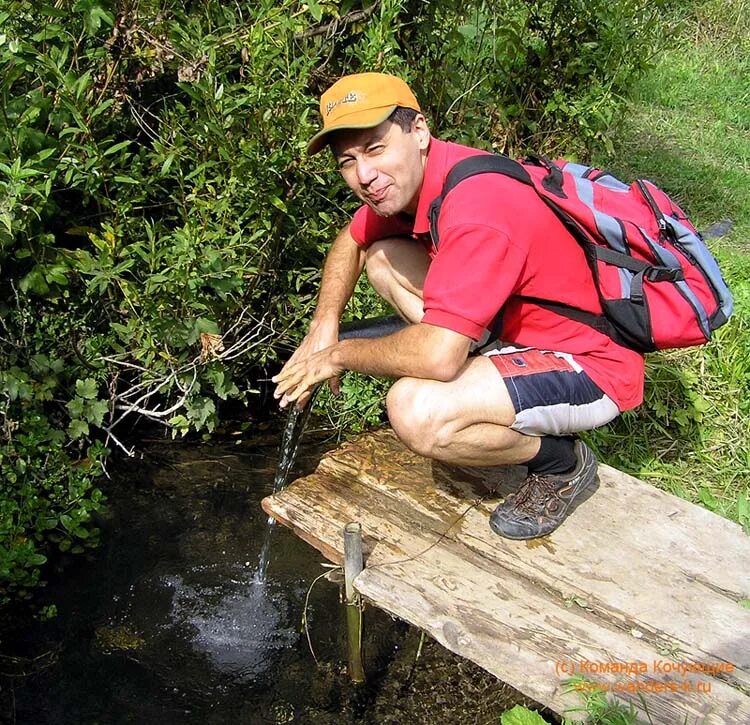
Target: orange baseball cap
{"points": [[363, 100]]}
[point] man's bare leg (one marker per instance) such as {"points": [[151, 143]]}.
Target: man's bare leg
{"points": [[465, 421], [396, 269]]}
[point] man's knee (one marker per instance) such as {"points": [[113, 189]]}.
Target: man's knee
{"points": [[417, 418], [380, 264]]}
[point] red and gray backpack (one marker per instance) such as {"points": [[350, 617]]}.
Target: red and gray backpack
{"points": [[658, 284]]}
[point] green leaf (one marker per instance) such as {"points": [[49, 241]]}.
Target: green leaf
{"points": [[520, 715], [708, 499], [71, 130], [200, 411], [48, 612], [34, 281], [469, 31], [52, 11], [102, 107], [180, 424], [743, 511], [44, 154], [7, 221], [76, 407], [96, 411], [315, 10], [27, 173], [278, 203], [743, 507], [78, 428], [94, 15], [117, 147], [39, 363], [56, 274], [745, 603], [167, 164], [203, 324], [86, 388]]}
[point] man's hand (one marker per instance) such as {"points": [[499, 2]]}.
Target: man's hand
{"points": [[297, 380], [319, 337]]}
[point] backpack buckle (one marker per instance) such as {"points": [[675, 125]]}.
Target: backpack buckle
{"points": [[664, 274]]}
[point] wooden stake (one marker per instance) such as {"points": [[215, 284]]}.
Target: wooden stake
{"points": [[352, 567]]}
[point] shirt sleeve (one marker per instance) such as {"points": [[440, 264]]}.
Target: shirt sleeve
{"points": [[477, 268], [367, 227]]}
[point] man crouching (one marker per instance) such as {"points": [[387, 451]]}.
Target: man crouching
{"points": [[486, 376]]}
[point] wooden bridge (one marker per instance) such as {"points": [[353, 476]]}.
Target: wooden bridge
{"points": [[639, 594]]}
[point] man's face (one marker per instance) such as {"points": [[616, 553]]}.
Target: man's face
{"points": [[384, 166]]}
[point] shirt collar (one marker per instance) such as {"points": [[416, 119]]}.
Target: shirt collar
{"points": [[435, 171]]}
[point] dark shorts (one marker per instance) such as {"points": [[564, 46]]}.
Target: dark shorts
{"points": [[551, 393]]}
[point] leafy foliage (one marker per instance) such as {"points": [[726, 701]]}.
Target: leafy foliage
{"points": [[540, 76], [48, 495], [520, 715]]}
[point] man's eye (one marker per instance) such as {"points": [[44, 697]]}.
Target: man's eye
{"points": [[376, 149], [345, 163]]}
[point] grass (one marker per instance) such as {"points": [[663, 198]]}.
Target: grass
{"points": [[688, 129]]}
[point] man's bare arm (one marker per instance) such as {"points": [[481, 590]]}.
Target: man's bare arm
{"points": [[419, 351], [344, 264]]}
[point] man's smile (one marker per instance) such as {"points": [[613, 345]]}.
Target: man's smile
{"points": [[376, 196]]}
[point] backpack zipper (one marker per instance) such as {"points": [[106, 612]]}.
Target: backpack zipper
{"points": [[664, 228]]}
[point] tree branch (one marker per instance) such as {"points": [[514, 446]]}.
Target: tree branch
{"points": [[332, 28]]}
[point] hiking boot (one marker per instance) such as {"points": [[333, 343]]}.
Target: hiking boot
{"points": [[544, 502]]}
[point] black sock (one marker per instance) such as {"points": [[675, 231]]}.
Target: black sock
{"points": [[556, 455]]}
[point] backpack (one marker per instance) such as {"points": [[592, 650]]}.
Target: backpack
{"points": [[658, 284]]}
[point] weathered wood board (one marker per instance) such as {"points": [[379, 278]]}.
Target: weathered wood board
{"points": [[639, 591]]}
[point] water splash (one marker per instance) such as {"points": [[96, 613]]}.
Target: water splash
{"points": [[237, 624]]}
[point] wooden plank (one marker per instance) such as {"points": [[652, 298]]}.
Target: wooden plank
{"points": [[649, 577]]}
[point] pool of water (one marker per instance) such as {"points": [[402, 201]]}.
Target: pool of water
{"points": [[168, 622]]}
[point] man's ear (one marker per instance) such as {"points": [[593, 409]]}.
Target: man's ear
{"points": [[420, 128]]}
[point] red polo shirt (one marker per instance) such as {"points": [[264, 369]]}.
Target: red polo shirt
{"points": [[499, 241]]}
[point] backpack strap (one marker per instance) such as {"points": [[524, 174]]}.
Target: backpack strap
{"points": [[482, 164], [552, 182], [495, 164]]}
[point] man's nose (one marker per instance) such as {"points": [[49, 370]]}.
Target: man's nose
{"points": [[366, 172]]}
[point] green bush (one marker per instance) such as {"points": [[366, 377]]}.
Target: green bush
{"points": [[530, 76], [151, 200], [48, 494]]}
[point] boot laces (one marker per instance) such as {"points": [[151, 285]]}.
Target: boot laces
{"points": [[534, 494]]}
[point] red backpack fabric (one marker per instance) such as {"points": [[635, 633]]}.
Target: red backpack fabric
{"points": [[658, 284]]}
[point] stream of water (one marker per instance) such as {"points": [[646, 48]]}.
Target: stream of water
{"points": [[290, 442], [297, 419]]}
